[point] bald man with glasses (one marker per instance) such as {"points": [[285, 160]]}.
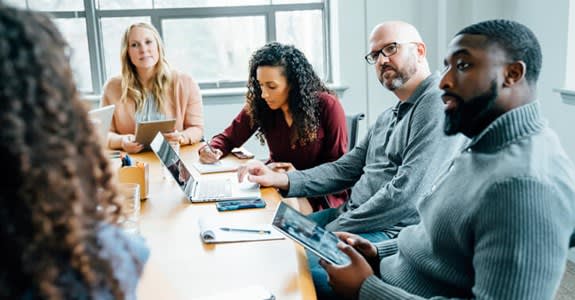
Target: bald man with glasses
{"points": [[394, 164]]}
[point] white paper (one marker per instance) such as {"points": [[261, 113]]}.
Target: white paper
{"points": [[213, 233], [248, 293], [219, 166]]}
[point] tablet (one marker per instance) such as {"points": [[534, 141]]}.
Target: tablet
{"points": [[306, 232], [146, 131]]}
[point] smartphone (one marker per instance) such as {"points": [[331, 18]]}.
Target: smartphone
{"points": [[242, 154], [240, 204]]}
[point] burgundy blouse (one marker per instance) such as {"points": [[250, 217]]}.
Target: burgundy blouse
{"points": [[331, 142]]}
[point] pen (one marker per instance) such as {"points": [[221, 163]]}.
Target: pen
{"points": [[246, 230], [208, 145]]}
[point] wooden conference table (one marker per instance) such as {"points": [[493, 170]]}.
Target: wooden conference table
{"points": [[182, 267]]}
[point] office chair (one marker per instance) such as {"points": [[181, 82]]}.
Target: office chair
{"points": [[352, 122], [572, 241]]}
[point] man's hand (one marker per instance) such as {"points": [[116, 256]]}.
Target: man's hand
{"points": [[347, 280], [363, 246], [259, 173], [281, 167], [129, 145]]}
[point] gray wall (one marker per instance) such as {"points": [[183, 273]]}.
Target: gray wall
{"points": [[438, 20]]}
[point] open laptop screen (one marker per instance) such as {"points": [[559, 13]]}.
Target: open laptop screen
{"points": [[172, 161], [102, 119]]}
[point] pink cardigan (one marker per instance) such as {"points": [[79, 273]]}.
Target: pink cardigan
{"points": [[185, 106]]}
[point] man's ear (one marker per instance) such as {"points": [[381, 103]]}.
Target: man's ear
{"points": [[421, 50], [514, 72]]}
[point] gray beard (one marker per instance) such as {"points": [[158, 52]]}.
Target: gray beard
{"points": [[402, 76], [394, 84]]}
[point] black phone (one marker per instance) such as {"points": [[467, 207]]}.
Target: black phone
{"points": [[242, 154], [240, 204]]}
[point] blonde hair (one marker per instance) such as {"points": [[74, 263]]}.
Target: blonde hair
{"points": [[132, 87]]}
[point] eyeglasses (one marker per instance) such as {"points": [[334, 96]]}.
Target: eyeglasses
{"points": [[387, 51]]}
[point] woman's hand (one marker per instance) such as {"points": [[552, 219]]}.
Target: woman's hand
{"points": [[174, 136], [129, 145], [209, 155]]}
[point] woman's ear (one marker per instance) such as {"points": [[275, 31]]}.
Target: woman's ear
{"points": [[514, 72]]}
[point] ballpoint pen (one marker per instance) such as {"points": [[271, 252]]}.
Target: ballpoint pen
{"points": [[208, 145], [260, 231]]}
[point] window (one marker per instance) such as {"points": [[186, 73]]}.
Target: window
{"points": [[568, 90], [212, 40]]}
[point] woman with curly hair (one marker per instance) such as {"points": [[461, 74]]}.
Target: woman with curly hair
{"points": [[58, 200], [301, 120], [148, 89]]}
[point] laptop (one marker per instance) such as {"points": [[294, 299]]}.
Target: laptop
{"points": [[197, 188], [102, 119]]}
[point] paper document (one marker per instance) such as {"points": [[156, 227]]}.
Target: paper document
{"points": [[222, 233], [219, 166], [247, 293]]}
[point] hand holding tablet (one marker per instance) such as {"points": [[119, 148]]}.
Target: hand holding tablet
{"points": [[306, 232], [146, 131]]}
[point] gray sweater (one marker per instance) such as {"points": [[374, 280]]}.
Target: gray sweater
{"points": [[389, 169], [495, 224]]}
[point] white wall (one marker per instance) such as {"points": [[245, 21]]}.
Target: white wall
{"points": [[438, 21]]}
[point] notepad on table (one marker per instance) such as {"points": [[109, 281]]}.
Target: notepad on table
{"points": [[254, 292], [219, 166], [222, 233]]}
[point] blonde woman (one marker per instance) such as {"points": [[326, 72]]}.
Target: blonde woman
{"points": [[148, 89]]}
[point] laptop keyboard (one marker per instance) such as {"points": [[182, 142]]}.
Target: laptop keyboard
{"points": [[214, 189]]}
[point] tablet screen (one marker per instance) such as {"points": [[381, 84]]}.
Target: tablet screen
{"points": [[306, 232], [146, 131]]}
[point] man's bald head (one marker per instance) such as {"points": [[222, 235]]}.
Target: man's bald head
{"points": [[398, 53], [393, 31]]}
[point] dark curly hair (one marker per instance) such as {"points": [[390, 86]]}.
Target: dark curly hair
{"points": [[305, 87], [59, 185], [518, 42]]}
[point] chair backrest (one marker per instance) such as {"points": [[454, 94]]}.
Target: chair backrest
{"points": [[572, 241], [352, 128]]}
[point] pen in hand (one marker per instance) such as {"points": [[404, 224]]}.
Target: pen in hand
{"points": [[246, 230], [208, 145]]}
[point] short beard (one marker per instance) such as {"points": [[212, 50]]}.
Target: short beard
{"points": [[403, 75], [468, 116]]}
